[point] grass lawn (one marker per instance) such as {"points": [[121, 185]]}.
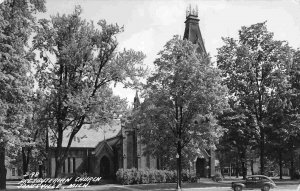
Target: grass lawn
{"points": [[204, 183]]}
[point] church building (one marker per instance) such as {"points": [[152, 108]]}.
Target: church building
{"points": [[101, 152], [204, 163]]}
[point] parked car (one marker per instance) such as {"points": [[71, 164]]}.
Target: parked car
{"points": [[256, 181]]}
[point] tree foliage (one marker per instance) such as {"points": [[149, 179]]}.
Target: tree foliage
{"points": [[182, 98], [256, 71], [239, 138], [34, 136], [17, 21], [79, 62]]}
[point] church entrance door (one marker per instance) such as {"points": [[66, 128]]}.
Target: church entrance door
{"points": [[200, 167], [104, 167]]}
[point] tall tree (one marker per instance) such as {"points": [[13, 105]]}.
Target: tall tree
{"points": [[34, 135], [252, 66], [239, 136], [279, 126], [181, 99], [77, 80], [284, 132], [16, 24], [294, 108]]}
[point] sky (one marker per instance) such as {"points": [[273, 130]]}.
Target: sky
{"points": [[149, 24]]}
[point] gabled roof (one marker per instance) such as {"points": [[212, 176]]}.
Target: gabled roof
{"points": [[103, 147], [89, 137], [201, 153]]}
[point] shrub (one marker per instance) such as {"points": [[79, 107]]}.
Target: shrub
{"points": [[127, 176], [170, 176], [151, 176], [119, 176], [160, 176], [146, 176], [296, 175], [136, 176], [217, 177], [192, 176], [188, 176], [184, 175]]}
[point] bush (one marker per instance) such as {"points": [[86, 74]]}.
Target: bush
{"points": [[136, 176], [127, 176], [185, 175], [160, 176], [147, 176], [188, 176], [144, 177], [296, 175], [217, 177], [170, 176], [119, 176]]}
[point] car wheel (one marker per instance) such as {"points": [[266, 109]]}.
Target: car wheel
{"points": [[238, 188], [265, 188]]}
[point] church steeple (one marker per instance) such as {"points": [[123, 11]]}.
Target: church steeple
{"points": [[136, 101], [192, 30]]}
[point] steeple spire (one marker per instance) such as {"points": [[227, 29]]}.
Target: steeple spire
{"points": [[192, 30], [136, 101]]}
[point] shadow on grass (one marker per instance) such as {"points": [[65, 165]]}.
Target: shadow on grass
{"points": [[163, 186]]}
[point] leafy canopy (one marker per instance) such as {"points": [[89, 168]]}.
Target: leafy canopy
{"points": [[79, 62], [17, 22], [182, 97], [255, 68]]}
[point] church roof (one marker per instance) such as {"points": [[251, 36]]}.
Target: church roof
{"points": [[103, 147], [88, 137], [201, 153]]}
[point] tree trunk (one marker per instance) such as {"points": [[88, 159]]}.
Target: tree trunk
{"points": [[292, 167], [252, 168], [179, 166], [237, 168], [48, 159], [222, 168], [40, 171], [58, 156], [62, 153], [26, 159], [262, 151], [244, 165], [2, 167], [178, 130], [59, 150], [58, 166], [280, 164]]}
